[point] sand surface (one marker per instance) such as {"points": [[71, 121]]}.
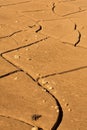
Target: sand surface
{"points": [[43, 64]]}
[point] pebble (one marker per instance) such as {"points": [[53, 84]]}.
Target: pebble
{"points": [[27, 49], [69, 109], [43, 81], [57, 111], [35, 128], [16, 21], [17, 57], [44, 90], [15, 78], [63, 100], [44, 101], [56, 107], [50, 88]]}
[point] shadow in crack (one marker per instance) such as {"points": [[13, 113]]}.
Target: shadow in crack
{"points": [[64, 72], [60, 116], [76, 69]]}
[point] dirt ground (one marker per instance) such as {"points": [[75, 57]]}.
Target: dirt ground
{"points": [[43, 64]]}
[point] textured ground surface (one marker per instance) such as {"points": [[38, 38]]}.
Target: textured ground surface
{"points": [[43, 64]]}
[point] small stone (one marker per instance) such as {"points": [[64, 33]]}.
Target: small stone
{"points": [[56, 107], [27, 49], [15, 78], [44, 101], [17, 57], [50, 88], [57, 111], [35, 128], [16, 21], [69, 109], [63, 100], [44, 90]]}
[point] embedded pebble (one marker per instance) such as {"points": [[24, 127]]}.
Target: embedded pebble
{"points": [[63, 100], [17, 57], [45, 83], [56, 107], [50, 88], [16, 21], [44, 90], [15, 78], [35, 128], [44, 101], [69, 109], [27, 49], [57, 111]]}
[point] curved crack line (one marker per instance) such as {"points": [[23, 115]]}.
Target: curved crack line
{"points": [[60, 116], [79, 34], [39, 29], [79, 39], [53, 7]]}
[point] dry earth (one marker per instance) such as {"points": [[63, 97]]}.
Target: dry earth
{"points": [[43, 64]]}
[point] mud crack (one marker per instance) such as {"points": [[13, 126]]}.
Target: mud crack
{"points": [[79, 39], [7, 74], [64, 72], [30, 44], [60, 116], [79, 11], [53, 7], [10, 117], [39, 29], [11, 34], [79, 36], [14, 4]]}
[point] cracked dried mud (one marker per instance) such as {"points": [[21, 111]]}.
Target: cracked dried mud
{"points": [[43, 65]]}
